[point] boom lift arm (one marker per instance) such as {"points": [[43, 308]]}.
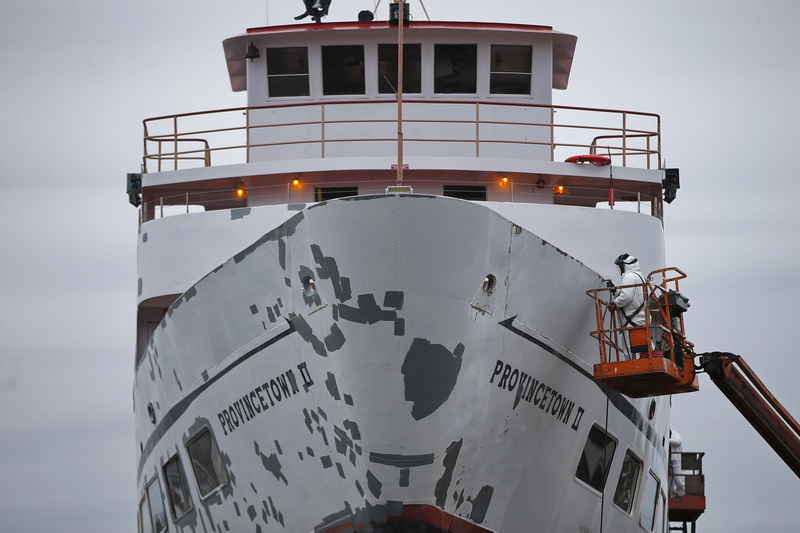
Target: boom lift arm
{"points": [[756, 403]]}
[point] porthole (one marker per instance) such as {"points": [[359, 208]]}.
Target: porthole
{"points": [[489, 284], [652, 411], [151, 413], [309, 286]]}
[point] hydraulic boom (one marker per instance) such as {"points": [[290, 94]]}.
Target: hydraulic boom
{"points": [[756, 403]]}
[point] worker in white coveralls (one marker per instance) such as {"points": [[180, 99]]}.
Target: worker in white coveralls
{"points": [[630, 300], [677, 482]]}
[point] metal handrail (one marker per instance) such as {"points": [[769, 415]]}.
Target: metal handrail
{"points": [[176, 133]]}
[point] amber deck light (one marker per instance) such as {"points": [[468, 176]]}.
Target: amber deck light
{"points": [[295, 182], [560, 189], [240, 192]]}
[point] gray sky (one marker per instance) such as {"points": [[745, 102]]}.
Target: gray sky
{"points": [[78, 78]]}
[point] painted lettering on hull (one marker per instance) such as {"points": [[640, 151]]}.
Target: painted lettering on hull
{"points": [[537, 393], [258, 400]]}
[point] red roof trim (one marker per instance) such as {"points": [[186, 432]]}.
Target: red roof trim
{"points": [[385, 24]]}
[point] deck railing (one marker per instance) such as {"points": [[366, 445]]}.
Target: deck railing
{"points": [[473, 129]]}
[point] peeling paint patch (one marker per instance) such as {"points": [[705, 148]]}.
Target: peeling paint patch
{"points": [[481, 504], [330, 383], [273, 465], [374, 485], [449, 463], [240, 212], [430, 373], [335, 339], [404, 477], [393, 299], [328, 269]]}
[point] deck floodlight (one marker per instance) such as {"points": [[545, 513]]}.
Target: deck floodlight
{"points": [[134, 189], [252, 52], [394, 10], [671, 184]]}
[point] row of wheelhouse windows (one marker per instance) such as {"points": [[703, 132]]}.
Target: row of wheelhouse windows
{"points": [[455, 69], [595, 465], [209, 474]]}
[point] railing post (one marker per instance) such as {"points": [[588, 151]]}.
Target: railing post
{"points": [[247, 133], [161, 198], [175, 142], [322, 130], [624, 139], [477, 129], [187, 202], [552, 133]]}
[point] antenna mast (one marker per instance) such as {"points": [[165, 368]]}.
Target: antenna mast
{"points": [[400, 24]]}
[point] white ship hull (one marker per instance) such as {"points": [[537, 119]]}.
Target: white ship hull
{"points": [[359, 373]]}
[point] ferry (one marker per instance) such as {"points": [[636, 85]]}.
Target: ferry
{"points": [[362, 298]]}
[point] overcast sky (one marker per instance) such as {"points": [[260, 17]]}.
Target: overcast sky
{"points": [[78, 77]]}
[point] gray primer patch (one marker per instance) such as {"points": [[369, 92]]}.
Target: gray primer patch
{"points": [[335, 339], [254, 309], [449, 463], [374, 485], [273, 465], [240, 212], [481, 504], [328, 269], [404, 477], [332, 388], [430, 373], [141, 284]]}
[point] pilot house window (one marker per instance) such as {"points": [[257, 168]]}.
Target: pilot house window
{"points": [[287, 71], [387, 68], [342, 70], [510, 69], [455, 68]]}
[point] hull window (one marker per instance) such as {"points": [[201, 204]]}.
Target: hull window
{"points": [[387, 68], [152, 516], [342, 70], [625, 494], [649, 503], [207, 463], [596, 459], [179, 498], [510, 70], [466, 192], [287, 71], [455, 69]]}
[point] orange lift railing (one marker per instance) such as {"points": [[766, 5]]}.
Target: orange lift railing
{"points": [[651, 359]]}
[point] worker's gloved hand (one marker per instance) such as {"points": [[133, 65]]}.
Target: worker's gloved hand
{"points": [[612, 306]]}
